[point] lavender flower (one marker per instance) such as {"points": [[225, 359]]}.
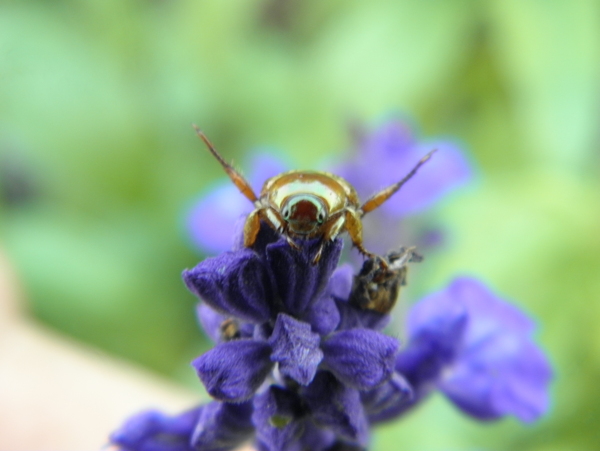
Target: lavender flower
{"points": [[283, 295], [381, 157], [154, 431], [303, 370], [298, 366], [476, 349]]}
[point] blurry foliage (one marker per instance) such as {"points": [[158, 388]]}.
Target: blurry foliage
{"points": [[98, 161]]}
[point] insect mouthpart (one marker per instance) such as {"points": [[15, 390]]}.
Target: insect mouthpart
{"points": [[304, 213]]}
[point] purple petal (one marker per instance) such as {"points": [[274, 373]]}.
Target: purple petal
{"points": [[295, 349], [384, 146], [211, 221], [338, 407], [278, 419], [447, 170], [438, 314], [266, 235], [210, 320], [392, 394], [323, 316], [340, 283], [155, 431], [353, 317], [263, 166], [299, 282], [316, 438], [493, 313], [508, 375], [426, 356], [342, 445], [212, 323], [436, 331], [526, 396], [390, 153], [232, 283], [486, 363], [234, 370], [360, 358], [222, 426]]}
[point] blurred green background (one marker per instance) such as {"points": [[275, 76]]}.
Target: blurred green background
{"points": [[98, 162]]}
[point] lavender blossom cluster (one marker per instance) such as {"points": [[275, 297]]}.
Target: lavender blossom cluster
{"points": [[298, 366]]}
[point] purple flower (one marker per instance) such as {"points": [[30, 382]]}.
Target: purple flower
{"points": [[293, 307], [295, 348], [390, 152], [222, 426], [257, 284], [279, 418], [213, 427], [478, 350], [284, 366], [337, 407], [234, 370], [383, 157], [299, 366], [155, 431], [359, 357], [211, 222], [397, 391], [289, 300]]}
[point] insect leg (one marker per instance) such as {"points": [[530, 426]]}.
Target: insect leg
{"points": [[277, 223], [266, 214], [332, 229], [379, 198], [251, 228], [292, 243], [273, 218], [237, 178], [354, 228]]}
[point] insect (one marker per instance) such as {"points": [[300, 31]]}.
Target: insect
{"points": [[230, 330], [308, 204], [377, 286]]}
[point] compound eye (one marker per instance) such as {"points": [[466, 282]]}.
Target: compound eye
{"points": [[320, 217]]}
